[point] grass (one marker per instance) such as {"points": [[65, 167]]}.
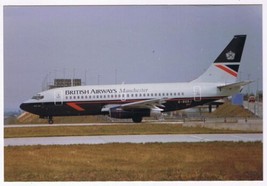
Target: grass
{"points": [[33, 119], [135, 162], [109, 130], [230, 110]]}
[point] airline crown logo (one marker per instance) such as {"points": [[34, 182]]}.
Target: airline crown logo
{"points": [[230, 55]]}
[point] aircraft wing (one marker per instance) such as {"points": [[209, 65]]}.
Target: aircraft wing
{"points": [[152, 104], [234, 85], [144, 104]]}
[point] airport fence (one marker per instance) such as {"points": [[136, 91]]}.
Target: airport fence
{"points": [[209, 119]]}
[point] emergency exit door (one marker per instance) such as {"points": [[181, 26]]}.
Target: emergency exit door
{"points": [[58, 97]]}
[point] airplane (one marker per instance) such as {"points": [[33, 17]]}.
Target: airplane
{"points": [[135, 101]]}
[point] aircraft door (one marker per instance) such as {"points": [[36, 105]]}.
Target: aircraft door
{"points": [[197, 93], [58, 97], [123, 97]]}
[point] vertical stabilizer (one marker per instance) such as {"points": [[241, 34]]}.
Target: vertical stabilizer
{"points": [[225, 67]]}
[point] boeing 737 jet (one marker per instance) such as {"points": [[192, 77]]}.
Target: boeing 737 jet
{"points": [[136, 101]]}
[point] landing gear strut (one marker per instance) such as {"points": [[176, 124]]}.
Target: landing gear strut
{"points": [[50, 120]]}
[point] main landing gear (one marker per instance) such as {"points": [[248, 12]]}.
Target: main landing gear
{"points": [[137, 119]]}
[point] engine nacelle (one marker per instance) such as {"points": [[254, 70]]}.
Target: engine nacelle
{"points": [[119, 113]]}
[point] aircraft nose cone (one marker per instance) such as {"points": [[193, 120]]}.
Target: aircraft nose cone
{"points": [[32, 108], [24, 107]]}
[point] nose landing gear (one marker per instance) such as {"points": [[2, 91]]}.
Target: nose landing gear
{"points": [[50, 120]]}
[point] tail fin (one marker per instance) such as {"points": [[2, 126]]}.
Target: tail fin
{"points": [[225, 67]]}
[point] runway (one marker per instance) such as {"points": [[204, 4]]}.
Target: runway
{"points": [[85, 124], [74, 140]]}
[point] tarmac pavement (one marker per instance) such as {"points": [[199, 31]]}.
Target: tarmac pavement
{"points": [[170, 138]]}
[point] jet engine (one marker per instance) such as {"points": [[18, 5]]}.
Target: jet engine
{"points": [[135, 114], [120, 113]]}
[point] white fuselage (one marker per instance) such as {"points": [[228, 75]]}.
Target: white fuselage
{"points": [[128, 92], [139, 100]]}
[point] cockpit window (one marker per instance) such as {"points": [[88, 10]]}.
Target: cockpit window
{"points": [[38, 97]]}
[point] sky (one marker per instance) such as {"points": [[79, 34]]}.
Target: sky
{"points": [[122, 44]]}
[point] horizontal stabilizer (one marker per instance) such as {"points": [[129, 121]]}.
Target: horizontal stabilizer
{"points": [[234, 85]]}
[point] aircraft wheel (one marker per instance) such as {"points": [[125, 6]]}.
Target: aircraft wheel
{"points": [[137, 119], [50, 120]]}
